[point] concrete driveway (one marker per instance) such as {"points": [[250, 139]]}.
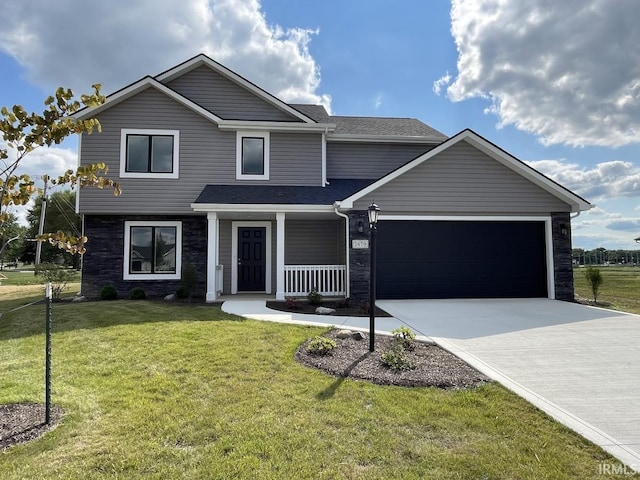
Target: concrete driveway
{"points": [[579, 364]]}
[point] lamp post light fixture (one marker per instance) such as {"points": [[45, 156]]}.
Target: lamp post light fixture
{"points": [[373, 212]]}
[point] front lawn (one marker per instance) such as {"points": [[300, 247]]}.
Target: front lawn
{"points": [[620, 288], [159, 391]]}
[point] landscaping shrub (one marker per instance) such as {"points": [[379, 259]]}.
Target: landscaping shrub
{"points": [[182, 292], [189, 281], [405, 337], [292, 303], [594, 279], [137, 293], [57, 275], [397, 358], [314, 297], [108, 292], [321, 345]]}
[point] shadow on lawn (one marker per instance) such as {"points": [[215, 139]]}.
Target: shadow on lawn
{"points": [[24, 318], [331, 390]]}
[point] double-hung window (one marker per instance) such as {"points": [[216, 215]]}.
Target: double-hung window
{"points": [[152, 250], [149, 153], [252, 155]]}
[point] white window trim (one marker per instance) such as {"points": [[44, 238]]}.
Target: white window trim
{"points": [[126, 275], [246, 133], [137, 131]]}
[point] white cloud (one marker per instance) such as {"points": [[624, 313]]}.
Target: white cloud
{"points": [[441, 82], [75, 43], [567, 71], [605, 180], [377, 102]]}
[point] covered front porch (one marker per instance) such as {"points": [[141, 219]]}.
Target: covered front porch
{"points": [[281, 253]]}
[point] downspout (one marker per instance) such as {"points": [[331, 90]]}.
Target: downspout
{"points": [[324, 158], [346, 251]]}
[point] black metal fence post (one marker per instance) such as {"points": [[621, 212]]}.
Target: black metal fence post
{"points": [[47, 372]]}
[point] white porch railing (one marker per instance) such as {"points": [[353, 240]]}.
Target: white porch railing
{"points": [[328, 280]]}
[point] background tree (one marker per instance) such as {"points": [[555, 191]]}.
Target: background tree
{"points": [[23, 132], [60, 216], [11, 249]]}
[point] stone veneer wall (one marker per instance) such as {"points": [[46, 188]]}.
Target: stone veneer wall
{"points": [[103, 261], [562, 259], [358, 258]]}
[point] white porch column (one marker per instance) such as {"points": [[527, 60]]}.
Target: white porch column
{"points": [[212, 257], [280, 216]]}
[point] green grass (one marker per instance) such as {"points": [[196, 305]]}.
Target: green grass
{"points": [[620, 289], [159, 391]]}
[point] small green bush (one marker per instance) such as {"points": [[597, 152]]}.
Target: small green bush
{"points": [[405, 337], [321, 345], [314, 297], [108, 292], [594, 278], [182, 292], [58, 276], [137, 293], [397, 358]]}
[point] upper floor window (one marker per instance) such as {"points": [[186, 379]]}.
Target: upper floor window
{"points": [[252, 156], [149, 153]]}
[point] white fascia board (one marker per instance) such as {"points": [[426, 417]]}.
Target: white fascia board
{"points": [[140, 86], [259, 207], [346, 138], [275, 126], [202, 59], [577, 203]]}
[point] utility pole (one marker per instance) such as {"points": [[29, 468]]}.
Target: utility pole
{"points": [[43, 209]]}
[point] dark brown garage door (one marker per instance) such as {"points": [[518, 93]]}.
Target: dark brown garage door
{"points": [[467, 259]]}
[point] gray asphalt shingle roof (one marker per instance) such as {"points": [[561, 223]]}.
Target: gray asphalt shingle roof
{"points": [[370, 125], [281, 195]]}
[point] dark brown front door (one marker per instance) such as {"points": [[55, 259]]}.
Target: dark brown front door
{"points": [[251, 259]]}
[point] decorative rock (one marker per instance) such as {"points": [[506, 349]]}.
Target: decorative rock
{"points": [[79, 298], [344, 333], [358, 336], [325, 310], [170, 298]]}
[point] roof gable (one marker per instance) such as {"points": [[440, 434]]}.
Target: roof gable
{"points": [[140, 86], [202, 60], [576, 202]]}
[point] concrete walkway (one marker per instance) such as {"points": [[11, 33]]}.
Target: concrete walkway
{"points": [[579, 364]]}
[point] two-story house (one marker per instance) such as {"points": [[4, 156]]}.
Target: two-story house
{"points": [[263, 196]]}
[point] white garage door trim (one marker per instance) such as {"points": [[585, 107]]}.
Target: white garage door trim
{"points": [[496, 218]]}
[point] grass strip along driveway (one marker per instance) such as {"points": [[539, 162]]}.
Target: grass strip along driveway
{"points": [[159, 391]]}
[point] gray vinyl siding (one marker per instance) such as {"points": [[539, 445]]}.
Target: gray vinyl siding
{"points": [[370, 160], [296, 159], [462, 180], [207, 156], [225, 98], [313, 242]]}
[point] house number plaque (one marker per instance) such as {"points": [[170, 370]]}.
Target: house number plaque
{"points": [[359, 244]]}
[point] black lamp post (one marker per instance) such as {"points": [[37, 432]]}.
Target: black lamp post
{"points": [[373, 211]]}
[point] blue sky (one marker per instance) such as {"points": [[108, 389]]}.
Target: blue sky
{"points": [[557, 84]]}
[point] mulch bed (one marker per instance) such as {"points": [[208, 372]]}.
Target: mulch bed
{"points": [[341, 308], [21, 422], [435, 367]]}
